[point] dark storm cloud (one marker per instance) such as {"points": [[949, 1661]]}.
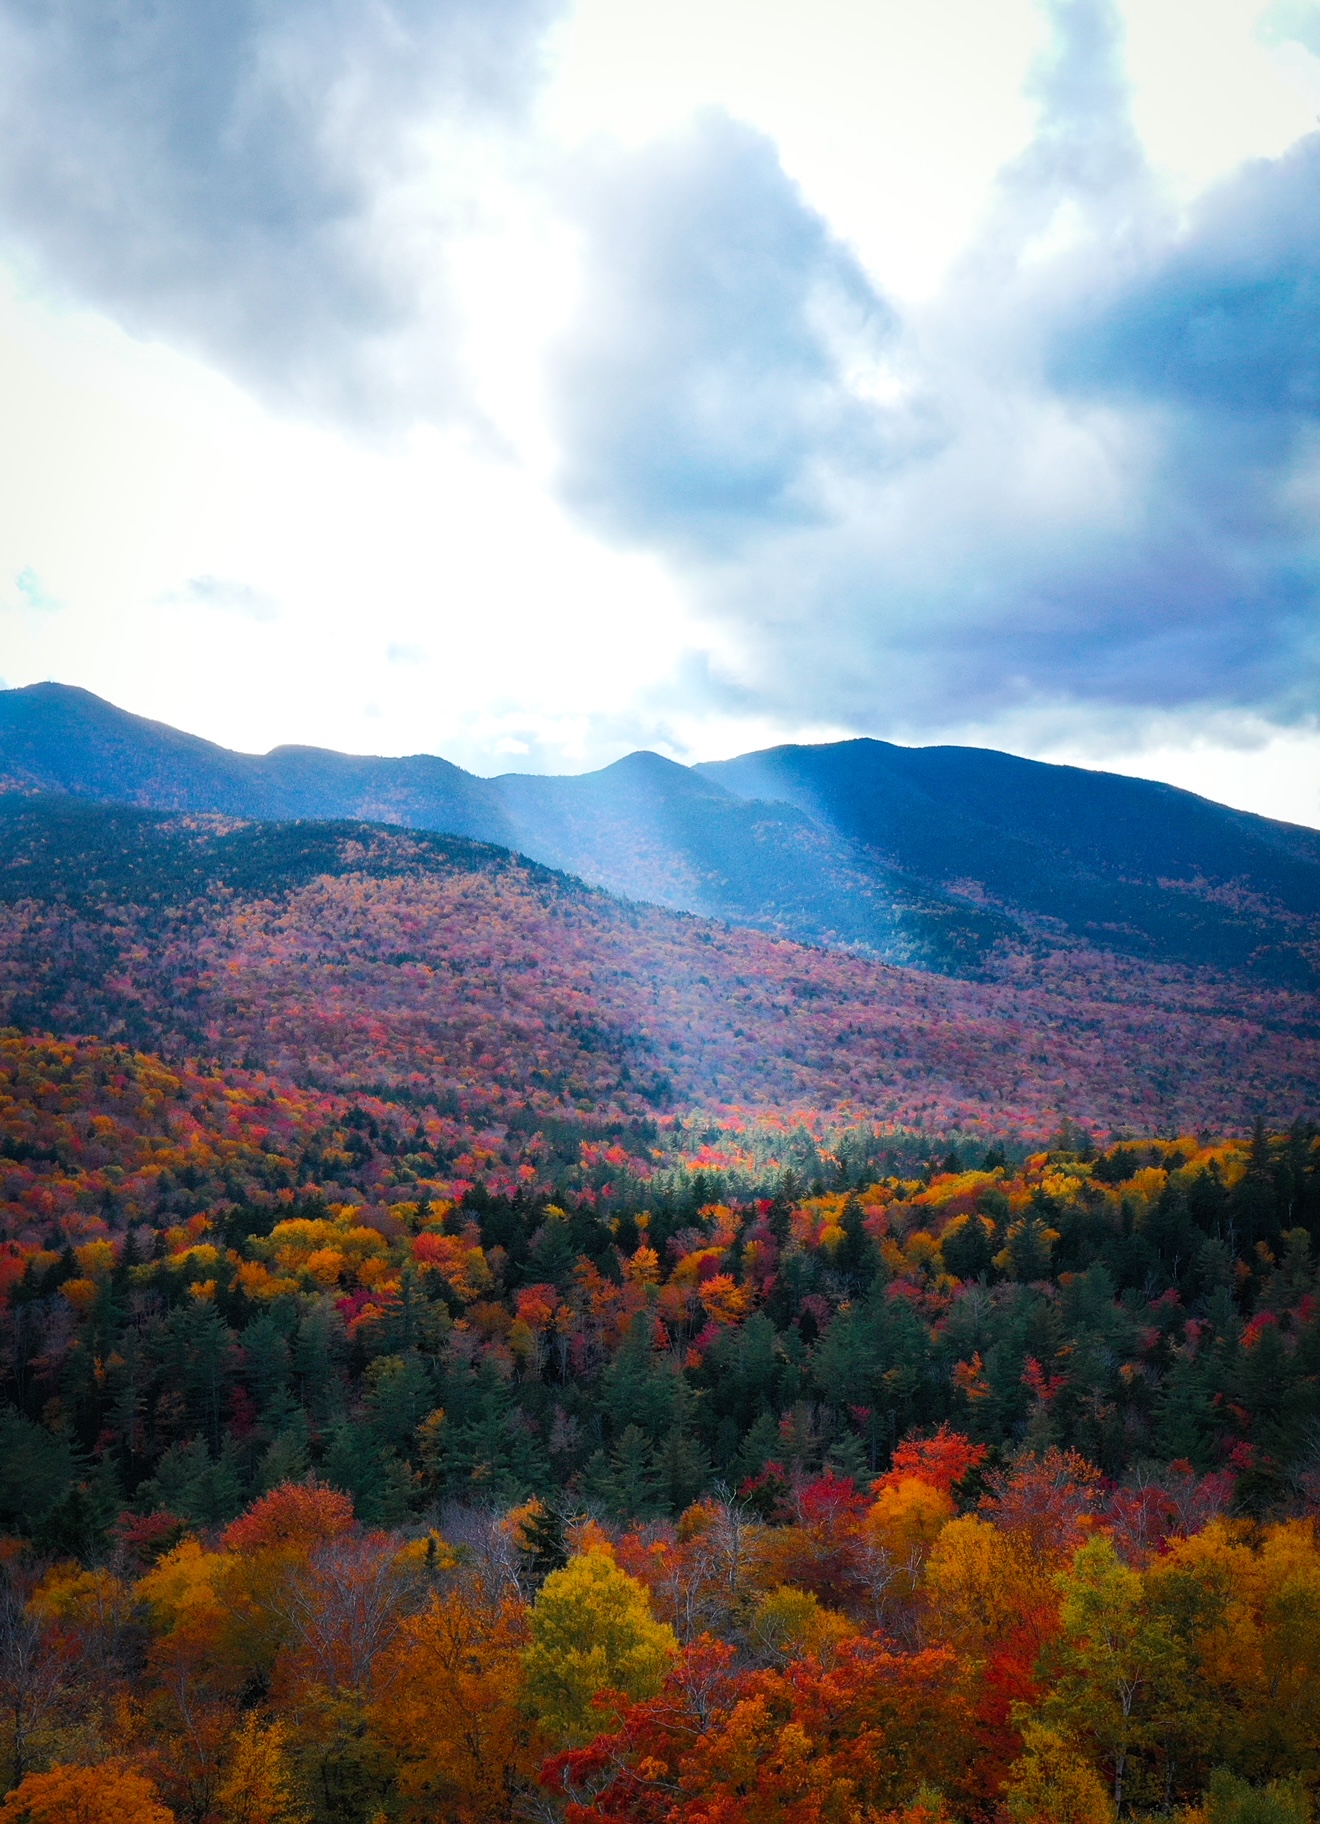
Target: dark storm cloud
{"points": [[1091, 486], [706, 382], [218, 172], [1214, 344], [1228, 320]]}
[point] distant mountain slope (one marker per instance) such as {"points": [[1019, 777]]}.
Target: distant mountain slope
{"points": [[645, 826], [654, 830], [923, 856], [56, 738], [359, 957], [1129, 863]]}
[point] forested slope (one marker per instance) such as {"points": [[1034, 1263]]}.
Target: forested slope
{"points": [[476, 1348], [353, 956], [930, 857], [834, 1468]]}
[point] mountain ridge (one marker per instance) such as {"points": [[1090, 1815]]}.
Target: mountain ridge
{"points": [[932, 857]]}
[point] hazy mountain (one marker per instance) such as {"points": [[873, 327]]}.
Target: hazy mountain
{"points": [[56, 738], [920, 855]]}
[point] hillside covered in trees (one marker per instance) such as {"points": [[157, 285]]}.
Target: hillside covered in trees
{"points": [[341, 1471], [356, 956], [927, 857], [478, 1349]]}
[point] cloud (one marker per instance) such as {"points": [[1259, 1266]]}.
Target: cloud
{"points": [[1227, 321], [229, 596], [1083, 480], [33, 592], [234, 176], [1295, 20], [1080, 485], [723, 348]]}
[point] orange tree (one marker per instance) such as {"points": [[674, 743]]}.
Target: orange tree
{"points": [[85, 1795], [449, 1709]]}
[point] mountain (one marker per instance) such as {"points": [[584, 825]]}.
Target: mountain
{"points": [[56, 738], [1129, 864], [936, 857], [645, 826], [360, 958]]}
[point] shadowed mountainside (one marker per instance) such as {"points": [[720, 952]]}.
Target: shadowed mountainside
{"points": [[929, 857]]}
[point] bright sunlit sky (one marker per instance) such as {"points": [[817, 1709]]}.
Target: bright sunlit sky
{"points": [[530, 383]]}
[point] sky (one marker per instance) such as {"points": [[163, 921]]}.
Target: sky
{"points": [[530, 381]]}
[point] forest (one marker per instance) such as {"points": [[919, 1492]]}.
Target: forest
{"points": [[365, 1461], [356, 957]]}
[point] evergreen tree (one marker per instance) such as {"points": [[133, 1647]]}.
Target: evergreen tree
{"points": [[544, 1543], [627, 1482], [638, 1388]]}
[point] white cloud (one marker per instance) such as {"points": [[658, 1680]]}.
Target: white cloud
{"points": [[335, 416], [32, 592], [228, 596]]}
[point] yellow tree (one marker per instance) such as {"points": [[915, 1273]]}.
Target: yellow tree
{"points": [[1261, 1658], [256, 1788], [1054, 1784], [194, 1675], [592, 1631]]}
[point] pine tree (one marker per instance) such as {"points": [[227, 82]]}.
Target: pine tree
{"points": [[544, 1543], [627, 1482]]}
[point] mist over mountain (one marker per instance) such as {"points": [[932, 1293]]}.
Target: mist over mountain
{"points": [[929, 857]]}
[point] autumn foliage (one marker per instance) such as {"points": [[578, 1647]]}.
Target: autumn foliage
{"points": [[364, 1459]]}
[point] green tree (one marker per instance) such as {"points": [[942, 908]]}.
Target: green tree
{"points": [[36, 1469], [1233, 1801], [626, 1482], [639, 1387], [1118, 1673]]}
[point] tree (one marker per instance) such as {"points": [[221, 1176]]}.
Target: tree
{"points": [[85, 1795], [344, 1609], [36, 1470], [905, 1522], [1050, 1500], [990, 1596], [450, 1709], [786, 1623], [1232, 1801], [541, 1541], [257, 1789], [943, 1460], [592, 1631], [31, 1675], [1117, 1667], [808, 1744], [627, 1482], [1054, 1784], [295, 1518], [1261, 1652]]}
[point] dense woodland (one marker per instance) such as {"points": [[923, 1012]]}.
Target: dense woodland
{"points": [[355, 1467], [354, 957], [477, 1350]]}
